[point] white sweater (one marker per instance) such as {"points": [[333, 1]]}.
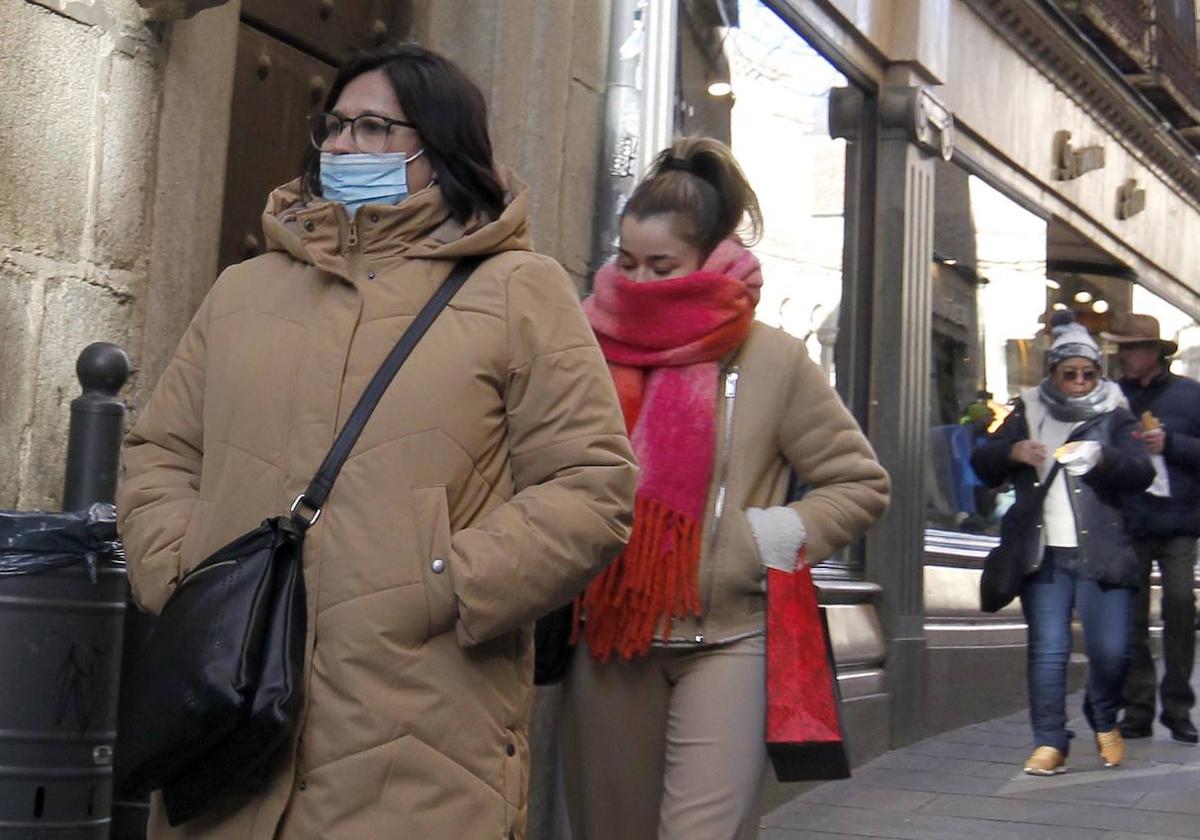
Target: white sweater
{"points": [[1057, 514]]}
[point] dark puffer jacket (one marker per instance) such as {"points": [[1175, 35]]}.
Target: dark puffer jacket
{"points": [[1175, 401], [1105, 547]]}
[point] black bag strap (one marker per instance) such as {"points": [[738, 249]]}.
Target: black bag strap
{"points": [[1073, 436], [1045, 488], [314, 496]]}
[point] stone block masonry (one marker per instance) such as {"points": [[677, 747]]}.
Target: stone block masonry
{"points": [[79, 103]]}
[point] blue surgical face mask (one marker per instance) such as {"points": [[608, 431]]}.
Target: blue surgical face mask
{"points": [[355, 180]]}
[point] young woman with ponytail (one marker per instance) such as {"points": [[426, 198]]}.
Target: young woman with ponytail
{"points": [[665, 702]]}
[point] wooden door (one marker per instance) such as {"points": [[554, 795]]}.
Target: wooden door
{"points": [[288, 51]]}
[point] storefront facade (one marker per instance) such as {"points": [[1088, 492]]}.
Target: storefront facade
{"points": [[976, 164]]}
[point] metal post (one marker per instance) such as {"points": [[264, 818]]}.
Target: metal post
{"points": [[622, 124], [659, 66], [97, 426]]}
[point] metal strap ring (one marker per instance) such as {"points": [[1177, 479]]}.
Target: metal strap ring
{"points": [[315, 515]]}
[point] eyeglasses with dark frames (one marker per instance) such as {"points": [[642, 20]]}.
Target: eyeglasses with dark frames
{"points": [[1072, 374], [368, 131]]}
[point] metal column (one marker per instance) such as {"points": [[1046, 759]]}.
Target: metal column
{"points": [[913, 127]]}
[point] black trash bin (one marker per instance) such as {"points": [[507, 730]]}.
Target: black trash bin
{"points": [[62, 609]]}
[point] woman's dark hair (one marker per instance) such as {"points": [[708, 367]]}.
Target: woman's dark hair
{"points": [[449, 113], [698, 180]]}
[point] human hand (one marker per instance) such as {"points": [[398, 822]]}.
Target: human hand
{"points": [[1079, 457], [1028, 452], [1155, 439]]}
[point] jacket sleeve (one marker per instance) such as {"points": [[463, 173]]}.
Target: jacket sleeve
{"points": [[848, 488], [572, 466], [1182, 447], [1125, 464], [991, 460], [160, 471], [1183, 450]]}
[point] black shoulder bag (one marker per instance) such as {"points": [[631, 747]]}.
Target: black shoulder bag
{"points": [[1004, 566], [212, 700]]}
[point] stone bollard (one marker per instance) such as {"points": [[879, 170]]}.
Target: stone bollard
{"points": [[97, 426]]}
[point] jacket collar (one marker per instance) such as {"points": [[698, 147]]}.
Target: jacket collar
{"points": [[321, 233], [1163, 377]]}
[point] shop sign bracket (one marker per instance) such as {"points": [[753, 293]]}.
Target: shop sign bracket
{"points": [[1072, 162], [1131, 199]]}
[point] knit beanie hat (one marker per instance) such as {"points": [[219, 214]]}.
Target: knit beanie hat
{"points": [[1071, 339]]}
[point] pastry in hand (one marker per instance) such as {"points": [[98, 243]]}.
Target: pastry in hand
{"points": [[1079, 457], [1150, 422]]}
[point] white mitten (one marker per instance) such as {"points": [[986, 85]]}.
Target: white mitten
{"points": [[1079, 457], [779, 533]]}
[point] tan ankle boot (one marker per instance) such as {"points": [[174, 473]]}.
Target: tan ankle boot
{"points": [[1046, 761], [1111, 747]]}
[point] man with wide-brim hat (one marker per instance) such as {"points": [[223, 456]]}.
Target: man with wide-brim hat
{"points": [[1164, 522], [1129, 329]]}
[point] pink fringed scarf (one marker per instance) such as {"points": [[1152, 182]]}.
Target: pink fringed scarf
{"points": [[663, 341]]}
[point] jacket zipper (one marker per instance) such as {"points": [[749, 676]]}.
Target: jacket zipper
{"points": [[730, 397]]}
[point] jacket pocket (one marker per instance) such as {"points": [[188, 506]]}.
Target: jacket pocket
{"points": [[738, 562], [432, 514], [193, 538]]}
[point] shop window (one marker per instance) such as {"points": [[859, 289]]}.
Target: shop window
{"points": [[999, 272], [989, 299], [780, 134]]}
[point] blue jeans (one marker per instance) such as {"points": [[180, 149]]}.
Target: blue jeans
{"points": [[1047, 598]]}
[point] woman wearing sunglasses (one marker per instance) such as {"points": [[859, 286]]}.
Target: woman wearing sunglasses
{"points": [[1074, 430], [493, 481]]}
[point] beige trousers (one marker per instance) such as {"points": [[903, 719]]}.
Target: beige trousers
{"points": [[668, 746]]}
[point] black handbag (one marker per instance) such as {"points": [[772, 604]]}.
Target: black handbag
{"points": [[1004, 566], [552, 647], [211, 702]]}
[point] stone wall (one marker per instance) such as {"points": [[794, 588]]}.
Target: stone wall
{"points": [[114, 128], [78, 88], [113, 159], [542, 67]]}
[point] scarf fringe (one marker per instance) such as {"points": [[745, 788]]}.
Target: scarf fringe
{"points": [[654, 580]]}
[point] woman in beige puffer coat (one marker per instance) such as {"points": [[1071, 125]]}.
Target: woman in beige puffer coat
{"points": [[492, 483]]}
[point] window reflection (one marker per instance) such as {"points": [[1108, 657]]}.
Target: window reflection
{"points": [[781, 136], [989, 293], [999, 270]]}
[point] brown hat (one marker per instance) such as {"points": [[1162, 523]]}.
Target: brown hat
{"points": [[1137, 329]]}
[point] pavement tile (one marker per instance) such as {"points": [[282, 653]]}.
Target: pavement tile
{"points": [[833, 792], [967, 784], [1066, 815], [864, 823], [872, 798], [1175, 803], [902, 760], [1163, 778], [1000, 770], [925, 781], [1163, 750], [995, 738], [798, 834], [1098, 794]]}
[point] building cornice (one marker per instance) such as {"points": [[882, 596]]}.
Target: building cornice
{"points": [[1040, 34]]}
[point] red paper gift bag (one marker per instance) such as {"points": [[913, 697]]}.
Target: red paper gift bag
{"points": [[805, 736]]}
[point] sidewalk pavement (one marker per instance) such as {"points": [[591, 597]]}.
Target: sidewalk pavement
{"points": [[968, 785]]}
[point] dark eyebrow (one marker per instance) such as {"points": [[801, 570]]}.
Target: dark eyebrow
{"points": [[340, 115]]}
